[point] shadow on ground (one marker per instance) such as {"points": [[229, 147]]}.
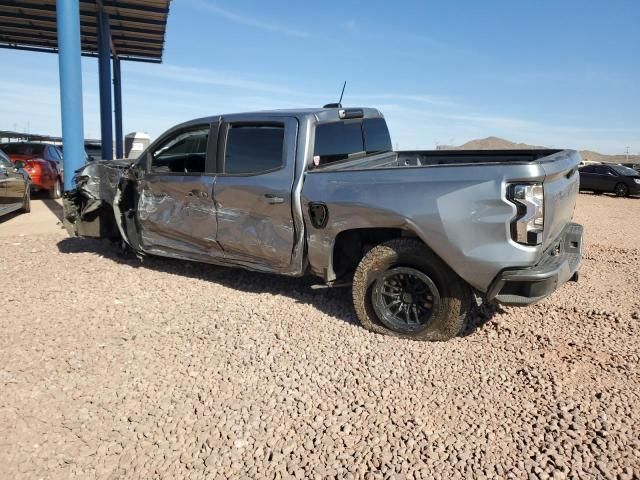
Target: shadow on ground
{"points": [[335, 302], [54, 207]]}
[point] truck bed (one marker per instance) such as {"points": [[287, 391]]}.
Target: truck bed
{"points": [[455, 201], [419, 158]]}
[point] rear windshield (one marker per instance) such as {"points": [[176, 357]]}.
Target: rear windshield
{"points": [[23, 148], [338, 140]]}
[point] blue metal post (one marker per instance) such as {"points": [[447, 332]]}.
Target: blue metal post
{"points": [[104, 71], [117, 103], [68, 14]]}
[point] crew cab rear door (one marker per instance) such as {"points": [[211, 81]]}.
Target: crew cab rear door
{"points": [[176, 212], [253, 190]]}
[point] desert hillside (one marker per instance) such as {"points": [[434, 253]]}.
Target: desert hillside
{"points": [[496, 143]]}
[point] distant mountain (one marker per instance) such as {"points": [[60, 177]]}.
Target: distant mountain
{"points": [[496, 143]]}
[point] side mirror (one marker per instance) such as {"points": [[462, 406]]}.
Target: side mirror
{"points": [[19, 164]]}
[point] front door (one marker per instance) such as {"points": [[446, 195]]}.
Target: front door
{"points": [[253, 191], [176, 210]]}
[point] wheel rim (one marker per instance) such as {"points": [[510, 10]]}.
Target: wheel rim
{"points": [[404, 299], [621, 190], [57, 188]]}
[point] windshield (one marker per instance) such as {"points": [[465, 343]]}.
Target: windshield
{"points": [[23, 148], [625, 171]]}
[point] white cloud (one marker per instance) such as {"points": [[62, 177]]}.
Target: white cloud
{"points": [[209, 77], [246, 20]]}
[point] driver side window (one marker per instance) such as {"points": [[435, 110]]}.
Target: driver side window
{"points": [[186, 152]]}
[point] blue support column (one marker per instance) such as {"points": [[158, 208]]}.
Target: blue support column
{"points": [[117, 103], [68, 15], [104, 71]]}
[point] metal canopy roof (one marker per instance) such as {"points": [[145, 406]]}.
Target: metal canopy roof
{"points": [[137, 26]]}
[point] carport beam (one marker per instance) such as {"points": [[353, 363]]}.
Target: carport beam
{"points": [[70, 71], [104, 71], [117, 100]]}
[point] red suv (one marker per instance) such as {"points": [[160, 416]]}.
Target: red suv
{"points": [[43, 163]]}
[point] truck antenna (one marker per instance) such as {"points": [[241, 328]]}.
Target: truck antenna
{"points": [[342, 93], [339, 104]]}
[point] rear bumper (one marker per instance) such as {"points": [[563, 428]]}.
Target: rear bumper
{"points": [[530, 285]]}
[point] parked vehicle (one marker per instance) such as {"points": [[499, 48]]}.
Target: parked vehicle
{"points": [[15, 191], [320, 191], [623, 181], [43, 163]]}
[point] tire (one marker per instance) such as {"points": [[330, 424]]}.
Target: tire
{"points": [[26, 202], [56, 191], [411, 260], [621, 190]]}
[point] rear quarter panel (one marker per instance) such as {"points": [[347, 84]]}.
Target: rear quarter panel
{"points": [[459, 211]]}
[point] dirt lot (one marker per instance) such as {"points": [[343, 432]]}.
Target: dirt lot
{"points": [[114, 369]]}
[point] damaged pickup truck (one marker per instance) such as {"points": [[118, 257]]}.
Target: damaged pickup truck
{"points": [[418, 234]]}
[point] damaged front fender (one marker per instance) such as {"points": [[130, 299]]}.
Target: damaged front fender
{"points": [[89, 208]]}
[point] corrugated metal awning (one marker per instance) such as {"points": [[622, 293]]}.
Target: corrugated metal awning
{"points": [[137, 26]]}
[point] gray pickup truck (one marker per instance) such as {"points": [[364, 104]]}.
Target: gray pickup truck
{"points": [[418, 234]]}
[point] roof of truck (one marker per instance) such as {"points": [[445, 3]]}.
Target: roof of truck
{"points": [[320, 114]]}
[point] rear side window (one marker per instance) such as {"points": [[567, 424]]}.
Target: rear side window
{"points": [[253, 149], [185, 152], [338, 140], [376, 135], [602, 170]]}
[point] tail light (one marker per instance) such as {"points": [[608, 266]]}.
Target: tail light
{"points": [[528, 225]]}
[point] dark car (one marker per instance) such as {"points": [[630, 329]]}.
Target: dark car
{"points": [[622, 181], [43, 163], [15, 189]]}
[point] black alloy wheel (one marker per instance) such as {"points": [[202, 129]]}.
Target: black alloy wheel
{"points": [[621, 190], [404, 299]]}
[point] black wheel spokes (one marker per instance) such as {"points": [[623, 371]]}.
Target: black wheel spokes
{"points": [[407, 298]]}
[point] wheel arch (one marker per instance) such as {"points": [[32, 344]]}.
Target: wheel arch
{"points": [[351, 245]]}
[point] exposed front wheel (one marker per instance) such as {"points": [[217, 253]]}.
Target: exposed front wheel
{"points": [[401, 288], [621, 190], [56, 191]]}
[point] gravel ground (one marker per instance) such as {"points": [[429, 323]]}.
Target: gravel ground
{"points": [[114, 369]]}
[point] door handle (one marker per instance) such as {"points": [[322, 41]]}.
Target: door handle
{"points": [[273, 199]]}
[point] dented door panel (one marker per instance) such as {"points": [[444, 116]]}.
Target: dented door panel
{"points": [[177, 214], [255, 219]]}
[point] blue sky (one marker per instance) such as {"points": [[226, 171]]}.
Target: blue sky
{"points": [[556, 73]]}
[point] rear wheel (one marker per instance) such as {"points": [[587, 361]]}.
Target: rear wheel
{"points": [[56, 191], [26, 201], [621, 190], [401, 288]]}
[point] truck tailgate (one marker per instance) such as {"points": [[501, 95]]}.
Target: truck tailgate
{"points": [[560, 191]]}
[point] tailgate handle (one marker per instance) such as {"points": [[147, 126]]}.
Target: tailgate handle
{"points": [[571, 172]]}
